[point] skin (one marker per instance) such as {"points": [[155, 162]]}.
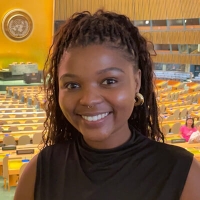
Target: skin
{"points": [[109, 85], [189, 123], [91, 88]]}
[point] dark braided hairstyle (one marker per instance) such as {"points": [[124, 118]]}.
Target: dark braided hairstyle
{"points": [[114, 31]]}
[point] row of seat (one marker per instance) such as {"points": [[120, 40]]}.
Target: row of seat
{"points": [[172, 75], [23, 140]]}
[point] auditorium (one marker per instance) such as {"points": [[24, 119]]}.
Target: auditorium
{"points": [[100, 99]]}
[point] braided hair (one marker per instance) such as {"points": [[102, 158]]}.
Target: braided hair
{"points": [[114, 31]]}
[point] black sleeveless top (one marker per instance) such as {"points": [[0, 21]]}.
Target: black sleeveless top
{"points": [[140, 169]]}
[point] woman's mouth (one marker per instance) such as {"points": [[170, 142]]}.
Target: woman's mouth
{"points": [[95, 117]]}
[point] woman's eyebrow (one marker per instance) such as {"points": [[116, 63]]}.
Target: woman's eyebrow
{"points": [[110, 69], [68, 75]]}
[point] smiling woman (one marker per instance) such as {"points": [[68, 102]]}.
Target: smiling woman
{"points": [[108, 86], [102, 138]]}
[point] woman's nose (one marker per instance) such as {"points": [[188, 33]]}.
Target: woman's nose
{"points": [[90, 96]]}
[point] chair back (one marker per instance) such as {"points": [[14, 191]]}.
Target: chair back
{"points": [[9, 140], [183, 113], [28, 128], [37, 138], [176, 128], [24, 139], [176, 114], [162, 108], [5, 168], [171, 117], [190, 110], [40, 127], [165, 129], [16, 122], [41, 120], [14, 128], [29, 121]]}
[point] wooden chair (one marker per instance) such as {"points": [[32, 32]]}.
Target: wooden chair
{"points": [[29, 121], [190, 110], [175, 128], [11, 106], [41, 127], [24, 139], [165, 129], [183, 113], [176, 114], [11, 164], [162, 109], [41, 115], [41, 120], [28, 128], [6, 116], [5, 171], [9, 140], [8, 111], [14, 128], [171, 117], [37, 138]]}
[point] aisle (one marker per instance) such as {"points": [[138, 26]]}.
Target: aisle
{"points": [[4, 194]]}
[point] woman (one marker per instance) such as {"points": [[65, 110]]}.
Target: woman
{"points": [[102, 121], [187, 129]]}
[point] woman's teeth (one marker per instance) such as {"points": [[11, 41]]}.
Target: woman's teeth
{"points": [[95, 118]]}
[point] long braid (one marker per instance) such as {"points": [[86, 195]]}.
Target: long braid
{"points": [[113, 31]]}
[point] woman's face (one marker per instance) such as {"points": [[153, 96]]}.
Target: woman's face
{"points": [[189, 122], [99, 77]]}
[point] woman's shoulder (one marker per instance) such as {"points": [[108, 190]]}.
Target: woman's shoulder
{"points": [[191, 189], [170, 153], [26, 185], [183, 126], [57, 151], [162, 151], [174, 150], [58, 147]]}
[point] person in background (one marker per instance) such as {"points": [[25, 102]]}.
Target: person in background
{"points": [[102, 136], [187, 129]]}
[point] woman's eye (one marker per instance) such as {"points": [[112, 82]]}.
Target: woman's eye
{"points": [[109, 81], [72, 86]]}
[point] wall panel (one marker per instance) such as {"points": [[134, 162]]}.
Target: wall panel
{"points": [[135, 9], [173, 9], [146, 10], [162, 10], [176, 58], [185, 8], [153, 9], [173, 37], [164, 38]]}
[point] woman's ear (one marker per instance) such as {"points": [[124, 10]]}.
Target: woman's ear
{"points": [[137, 80]]}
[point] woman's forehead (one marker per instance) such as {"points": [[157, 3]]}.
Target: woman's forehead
{"points": [[92, 54]]}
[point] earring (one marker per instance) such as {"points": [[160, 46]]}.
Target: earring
{"points": [[140, 99]]}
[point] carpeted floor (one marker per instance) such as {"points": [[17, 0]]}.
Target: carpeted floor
{"points": [[5, 194]]}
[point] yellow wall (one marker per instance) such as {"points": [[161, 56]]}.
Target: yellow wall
{"points": [[35, 47]]}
